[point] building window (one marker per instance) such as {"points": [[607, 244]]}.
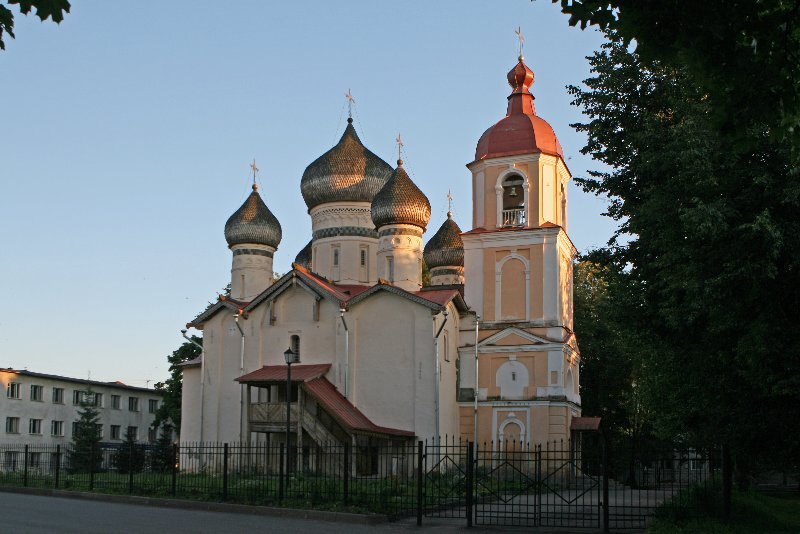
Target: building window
{"points": [[78, 396], [58, 395], [13, 390], [10, 460], [35, 426], [152, 405], [390, 268], [12, 425], [335, 257], [152, 434], [116, 402], [37, 393], [446, 348], [295, 344], [363, 257], [98, 400], [133, 404], [75, 428], [35, 459], [56, 428], [133, 433], [98, 429], [115, 432]]}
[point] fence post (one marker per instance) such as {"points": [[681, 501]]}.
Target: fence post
{"points": [[91, 466], [346, 471], [538, 475], [727, 483], [604, 449], [25, 469], [174, 469], [131, 456], [58, 463], [470, 482], [225, 472], [420, 481], [280, 472]]}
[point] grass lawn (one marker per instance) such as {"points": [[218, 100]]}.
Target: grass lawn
{"points": [[751, 512]]}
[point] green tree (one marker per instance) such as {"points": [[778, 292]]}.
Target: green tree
{"points": [[709, 237], [169, 412], [85, 453], [130, 455], [163, 457], [53, 9], [743, 54]]}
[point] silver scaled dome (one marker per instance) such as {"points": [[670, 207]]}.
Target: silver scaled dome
{"points": [[445, 249], [253, 223], [303, 257], [400, 201], [346, 172]]}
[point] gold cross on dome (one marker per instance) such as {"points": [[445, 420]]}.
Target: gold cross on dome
{"points": [[399, 142], [255, 170], [521, 39], [350, 101]]}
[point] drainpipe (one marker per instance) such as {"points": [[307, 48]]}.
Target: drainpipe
{"points": [[202, 378], [438, 371], [346, 351], [475, 408], [241, 372]]}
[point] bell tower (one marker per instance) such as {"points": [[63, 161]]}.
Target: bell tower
{"points": [[518, 275]]}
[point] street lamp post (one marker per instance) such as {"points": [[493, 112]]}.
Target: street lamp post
{"points": [[291, 357]]}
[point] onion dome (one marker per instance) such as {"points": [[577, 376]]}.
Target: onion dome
{"points": [[303, 257], [521, 131], [445, 249], [347, 172], [253, 223], [400, 201]]}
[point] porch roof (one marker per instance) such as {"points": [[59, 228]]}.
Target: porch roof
{"points": [[586, 424], [345, 413], [277, 373]]}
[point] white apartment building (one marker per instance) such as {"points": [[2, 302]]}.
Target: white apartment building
{"points": [[41, 409]]}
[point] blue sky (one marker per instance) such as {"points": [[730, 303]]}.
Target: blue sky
{"points": [[129, 128]]}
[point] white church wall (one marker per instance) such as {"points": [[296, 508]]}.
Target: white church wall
{"points": [[190, 404]]}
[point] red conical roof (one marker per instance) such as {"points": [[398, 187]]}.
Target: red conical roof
{"points": [[521, 131]]}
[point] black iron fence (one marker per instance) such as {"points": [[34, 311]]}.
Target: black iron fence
{"points": [[561, 484]]}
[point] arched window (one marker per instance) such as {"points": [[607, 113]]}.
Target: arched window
{"points": [[513, 201]]}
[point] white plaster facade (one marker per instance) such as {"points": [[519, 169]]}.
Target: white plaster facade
{"points": [[49, 401]]}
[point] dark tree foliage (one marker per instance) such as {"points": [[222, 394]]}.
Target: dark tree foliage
{"points": [[85, 453], [710, 252], [744, 54], [130, 455], [163, 455], [53, 9], [169, 412]]}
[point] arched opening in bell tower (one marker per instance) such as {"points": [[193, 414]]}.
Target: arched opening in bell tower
{"points": [[513, 201]]}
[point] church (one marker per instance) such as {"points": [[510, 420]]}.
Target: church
{"points": [[482, 349]]}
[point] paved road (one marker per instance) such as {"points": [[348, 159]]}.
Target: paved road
{"points": [[23, 514]]}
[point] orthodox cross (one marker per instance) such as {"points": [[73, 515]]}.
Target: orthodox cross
{"points": [[399, 142], [350, 101], [449, 204], [521, 39], [255, 170]]}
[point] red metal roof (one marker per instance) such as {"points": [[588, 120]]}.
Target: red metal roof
{"points": [[439, 296], [277, 373], [585, 424], [345, 413], [521, 131]]}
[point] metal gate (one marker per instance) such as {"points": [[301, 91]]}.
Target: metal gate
{"points": [[446, 469]]}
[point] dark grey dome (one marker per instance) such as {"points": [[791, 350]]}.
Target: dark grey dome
{"points": [[253, 223], [347, 172], [445, 249], [400, 201], [303, 257]]}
